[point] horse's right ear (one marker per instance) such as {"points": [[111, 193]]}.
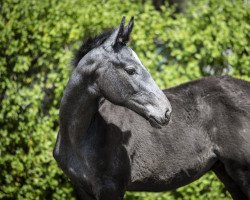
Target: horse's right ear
{"points": [[117, 35], [120, 31]]}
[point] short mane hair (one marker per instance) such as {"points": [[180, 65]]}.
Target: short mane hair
{"points": [[89, 44]]}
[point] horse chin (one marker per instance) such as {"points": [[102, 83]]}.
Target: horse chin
{"points": [[154, 121]]}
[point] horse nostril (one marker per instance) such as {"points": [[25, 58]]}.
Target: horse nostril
{"points": [[167, 114]]}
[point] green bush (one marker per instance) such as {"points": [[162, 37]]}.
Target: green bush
{"points": [[37, 39]]}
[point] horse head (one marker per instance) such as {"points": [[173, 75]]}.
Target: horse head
{"points": [[119, 76]]}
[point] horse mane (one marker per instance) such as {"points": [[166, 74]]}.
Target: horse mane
{"points": [[89, 44]]}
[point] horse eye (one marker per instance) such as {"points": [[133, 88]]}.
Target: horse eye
{"points": [[130, 71]]}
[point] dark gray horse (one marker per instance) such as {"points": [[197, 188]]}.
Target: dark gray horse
{"points": [[106, 67], [106, 149]]}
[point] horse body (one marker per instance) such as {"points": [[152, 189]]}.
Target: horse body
{"points": [[208, 128], [106, 149]]}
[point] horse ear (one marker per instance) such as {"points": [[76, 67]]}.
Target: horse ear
{"points": [[128, 29], [116, 36], [121, 34], [120, 31]]}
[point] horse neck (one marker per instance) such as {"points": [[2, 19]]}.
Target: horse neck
{"points": [[77, 109]]}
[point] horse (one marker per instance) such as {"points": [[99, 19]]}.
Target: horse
{"points": [[104, 67], [108, 143]]}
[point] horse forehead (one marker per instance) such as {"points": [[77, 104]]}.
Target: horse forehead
{"points": [[135, 56], [129, 54]]}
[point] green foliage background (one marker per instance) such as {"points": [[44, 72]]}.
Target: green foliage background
{"points": [[36, 43]]}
